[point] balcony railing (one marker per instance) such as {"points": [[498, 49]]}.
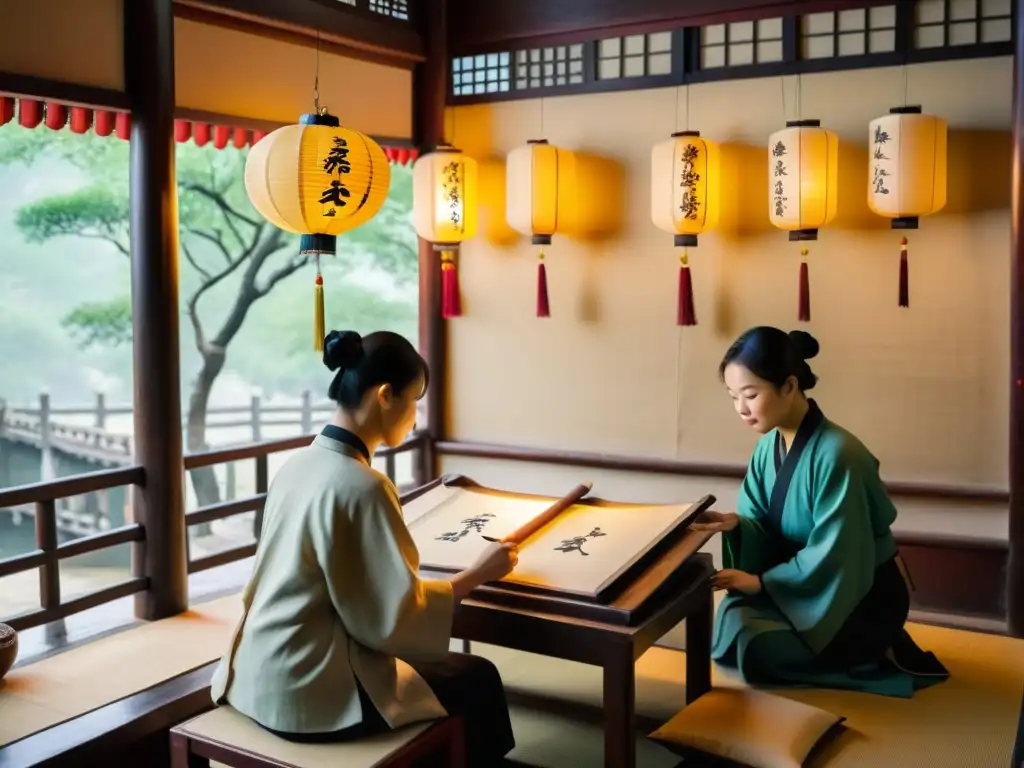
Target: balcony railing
{"points": [[48, 553]]}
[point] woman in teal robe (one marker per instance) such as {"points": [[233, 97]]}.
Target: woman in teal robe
{"points": [[816, 595]]}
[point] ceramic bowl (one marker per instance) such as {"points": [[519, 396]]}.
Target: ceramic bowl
{"points": [[8, 649]]}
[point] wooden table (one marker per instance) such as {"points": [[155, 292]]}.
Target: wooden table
{"points": [[681, 590]]}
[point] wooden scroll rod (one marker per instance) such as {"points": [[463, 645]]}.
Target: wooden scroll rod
{"points": [[525, 531]]}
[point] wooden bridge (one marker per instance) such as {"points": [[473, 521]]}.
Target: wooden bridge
{"points": [[42, 443]]}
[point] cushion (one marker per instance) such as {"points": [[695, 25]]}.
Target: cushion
{"points": [[749, 727]]}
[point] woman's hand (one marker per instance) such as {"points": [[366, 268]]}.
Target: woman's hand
{"points": [[737, 581], [716, 522], [495, 562]]}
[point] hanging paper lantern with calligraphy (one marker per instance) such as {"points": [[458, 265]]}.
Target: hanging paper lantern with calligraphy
{"points": [[906, 173], [685, 190], [531, 206], [444, 205], [803, 170], [318, 180]]}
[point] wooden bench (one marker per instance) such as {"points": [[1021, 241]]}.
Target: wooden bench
{"points": [[227, 737]]}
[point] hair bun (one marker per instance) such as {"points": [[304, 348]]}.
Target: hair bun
{"points": [[806, 345], [342, 349]]}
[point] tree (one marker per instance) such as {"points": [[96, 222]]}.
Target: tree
{"points": [[234, 257]]}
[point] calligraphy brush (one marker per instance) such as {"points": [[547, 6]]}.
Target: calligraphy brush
{"points": [[524, 532]]}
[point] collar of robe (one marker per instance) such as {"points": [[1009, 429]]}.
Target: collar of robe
{"points": [[349, 438], [785, 462]]}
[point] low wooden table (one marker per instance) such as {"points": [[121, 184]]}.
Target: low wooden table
{"points": [[675, 587]]}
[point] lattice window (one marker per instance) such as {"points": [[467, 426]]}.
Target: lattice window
{"points": [[938, 23], [848, 33], [549, 67], [483, 73], [740, 43], [396, 9], [634, 56]]}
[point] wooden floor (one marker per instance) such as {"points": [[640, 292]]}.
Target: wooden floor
{"points": [[556, 707]]}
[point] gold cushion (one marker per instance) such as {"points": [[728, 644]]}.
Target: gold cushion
{"points": [[749, 727]]}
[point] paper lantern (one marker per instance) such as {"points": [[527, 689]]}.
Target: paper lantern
{"points": [[906, 174], [803, 169], [444, 212], [318, 180], [685, 191], [531, 206]]}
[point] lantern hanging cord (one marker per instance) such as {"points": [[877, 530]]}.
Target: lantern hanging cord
{"points": [[316, 87], [675, 123], [687, 107], [906, 75], [542, 117], [782, 87], [799, 98]]}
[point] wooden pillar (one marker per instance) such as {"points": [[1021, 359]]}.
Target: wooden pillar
{"points": [[1015, 568], [430, 88], [160, 503]]}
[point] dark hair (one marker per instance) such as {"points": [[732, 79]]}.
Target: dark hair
{"points": [[774, 355], [382, 357]]}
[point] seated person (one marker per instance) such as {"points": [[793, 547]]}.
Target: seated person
{"points": [[816, 595], [340, 637]]}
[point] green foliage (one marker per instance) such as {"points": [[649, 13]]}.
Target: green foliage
{"points": [[217, 226], [92, 212], [106, 323]]}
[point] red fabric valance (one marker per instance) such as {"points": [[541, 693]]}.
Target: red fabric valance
{"points": [[31, 113]]}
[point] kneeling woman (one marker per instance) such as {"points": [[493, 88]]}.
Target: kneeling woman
{"points": [[340, 637], [815, 592]]}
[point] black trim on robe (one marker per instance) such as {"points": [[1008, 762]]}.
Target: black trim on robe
{"points": [[351, 439], [785, 466]]}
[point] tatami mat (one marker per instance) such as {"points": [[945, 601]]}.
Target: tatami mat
{"points": [[41, 695], [968, 722]]}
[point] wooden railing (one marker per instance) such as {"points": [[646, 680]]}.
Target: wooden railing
{"points": [[260, 453], [44, 417], [48, 553]]}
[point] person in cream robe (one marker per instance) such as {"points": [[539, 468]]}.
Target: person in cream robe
{"points": [[340, 637]]}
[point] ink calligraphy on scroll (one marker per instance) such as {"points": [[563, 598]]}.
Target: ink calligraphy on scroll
{"points": [[575, 544], [469, 524]]}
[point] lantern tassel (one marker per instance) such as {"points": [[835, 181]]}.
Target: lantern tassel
{"points": [[805, 289], [451, 301], [686, 311], [318, 312], [904, 274], [543, 307]]}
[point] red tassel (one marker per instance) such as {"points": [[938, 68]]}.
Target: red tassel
{"points": [[201, 134], [686, 311], [56, 116], [451, 301], [182, 131], [30, 113], [904, 274], [221, 136], [543, 307], [104, 125], [6, 109], [123, 126], [805, 290], [240, 138], [256, 136], [81, 119]]}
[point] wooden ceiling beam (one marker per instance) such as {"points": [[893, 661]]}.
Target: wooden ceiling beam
{"points": [[337, 27], [477, 27]]}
